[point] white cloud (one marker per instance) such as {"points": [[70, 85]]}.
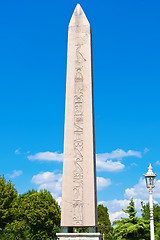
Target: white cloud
{"points": [[50, 181], [157, 163], [117, 215], [17, 151], [47, 156], [103, 182], [146, 150], [59, 201], [118, 154], [134, 164], [109, 166], [46, 177], [105, 160], [16, 173], [140, 190]]}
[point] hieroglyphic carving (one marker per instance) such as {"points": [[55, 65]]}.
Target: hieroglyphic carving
{"points": [[78, 138]]}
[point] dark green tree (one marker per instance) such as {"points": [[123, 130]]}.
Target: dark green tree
{"points": [[132, 227], [104, 224], [156, 213], [146, 212], [8, 194], [17, 230], [131, 212], [37, 216]]}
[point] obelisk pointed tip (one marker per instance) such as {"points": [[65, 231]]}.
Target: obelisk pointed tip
{"points": [[78, 18], [78, 10]]}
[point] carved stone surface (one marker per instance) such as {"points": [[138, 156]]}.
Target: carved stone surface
{"points": [[79, 197]]}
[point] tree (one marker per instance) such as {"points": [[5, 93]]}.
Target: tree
{"points": [[156, 213], [104, 224], [8, 194], [17, 230], [37, 215], [132, 227], [146, 212], [131, 211]]}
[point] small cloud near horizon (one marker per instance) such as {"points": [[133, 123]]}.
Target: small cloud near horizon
{"points": [[16, 173]]}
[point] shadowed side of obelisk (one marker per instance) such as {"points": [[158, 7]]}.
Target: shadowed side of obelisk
{"points": [[79, 198]]}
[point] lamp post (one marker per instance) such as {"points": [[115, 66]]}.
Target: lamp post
{"points": [[150, 183]]}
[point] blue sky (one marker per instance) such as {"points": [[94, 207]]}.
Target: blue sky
{"points": [[126, 70]]}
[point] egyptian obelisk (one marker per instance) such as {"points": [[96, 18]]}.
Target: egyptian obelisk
{"points": [[79, 196]]}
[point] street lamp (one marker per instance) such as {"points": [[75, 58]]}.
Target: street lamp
{"points": [[150, 183]]}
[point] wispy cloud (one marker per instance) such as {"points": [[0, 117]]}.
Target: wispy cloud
{"points": [[146, 150], [103, 183], [157, 163], [15, 173], [134, 164], [17, 151], [47, 156]]}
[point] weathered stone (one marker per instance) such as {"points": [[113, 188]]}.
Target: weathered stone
{"points": [[79, 197]]}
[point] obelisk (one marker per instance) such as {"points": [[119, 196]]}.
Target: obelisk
{"points": [[79, 196]]}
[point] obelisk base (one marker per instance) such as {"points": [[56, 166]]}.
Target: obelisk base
{"points": [[78, 236]]}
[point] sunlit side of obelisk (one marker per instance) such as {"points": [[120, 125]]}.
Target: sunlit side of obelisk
{"points": [[79, 196]]}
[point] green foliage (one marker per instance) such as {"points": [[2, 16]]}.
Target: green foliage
{"points": [[146, 212], [104, 224], [32, 215], [157, 231], [131, 211], [17, 230], [156, 213], [7, 196], [132, 227], [128, 230], [40, 212]]}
